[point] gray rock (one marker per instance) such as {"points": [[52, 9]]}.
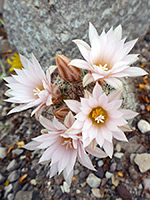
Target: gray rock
{"points": [[16, 187], [100, 163], [143, 161], [118, 155], [24, 195], [12, 165], [133, 173], [13, 176], [96, 192], [17, 152], [47, 27], [100, 172], [10, 196], [65, 187], [8, 189], [108, 174], [2, 178], [113, 167], [2, 152], [143, 126], [132, 156], [132, 146], [93, 181], [82, 174], [146, 183]]}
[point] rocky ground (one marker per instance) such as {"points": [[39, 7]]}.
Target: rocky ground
{"points": [[126, 176]]}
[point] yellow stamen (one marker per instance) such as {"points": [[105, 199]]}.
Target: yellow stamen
{"points": [[38, 90], [67, 142], [98, 115], [103, 67]]}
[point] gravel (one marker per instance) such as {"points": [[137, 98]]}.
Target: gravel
{"points": [[3, 152], [143, 126], [13, 176], [143, 161], [93, 181]]}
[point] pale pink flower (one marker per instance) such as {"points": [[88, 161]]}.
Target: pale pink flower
{"points": [[107, 59], [30, 86], [62, 149], [100, 118]]}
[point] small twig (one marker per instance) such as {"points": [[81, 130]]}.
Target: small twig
{"points": [[138, 181]]}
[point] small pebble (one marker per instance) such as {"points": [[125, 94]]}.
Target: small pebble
{"points": [[2, 152], [140, 187], [118, 155], [113, 167], [76, 172], [78, 191], [133, 173], [33, 182], [118, 147], [8, 189], [82, 174], [93, 181], [96, 192], [17, 152], [24, 195], [123, 192], [12, 165], [143, 161], [22, 157], [146, 183], [100, 163], [13, 176], [2, 178], [108, 174], [132, 156], [143, 126], [65, 187], [10, 196], [115, 181], [100, 172]]}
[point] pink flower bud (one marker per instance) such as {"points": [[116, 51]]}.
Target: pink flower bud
{"points": [[67, 72]]}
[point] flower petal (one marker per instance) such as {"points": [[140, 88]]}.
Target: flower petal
{"points": [[97, 91], [80, 64], [84, 49], [84, 159], [128, 114], [73, 105], [114, 82], [135, 71], [88, 78], [108, 147]]}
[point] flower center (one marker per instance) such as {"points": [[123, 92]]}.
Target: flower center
{"points": [[98, 116], [37, 91], [103, 67], [67, 142]]}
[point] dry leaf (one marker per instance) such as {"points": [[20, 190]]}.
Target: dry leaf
{"points": [[22, 179], [143, 64], [120, 174], [10, 148], [148, 108], [6, 183], [142, 87], [20, 144]]}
